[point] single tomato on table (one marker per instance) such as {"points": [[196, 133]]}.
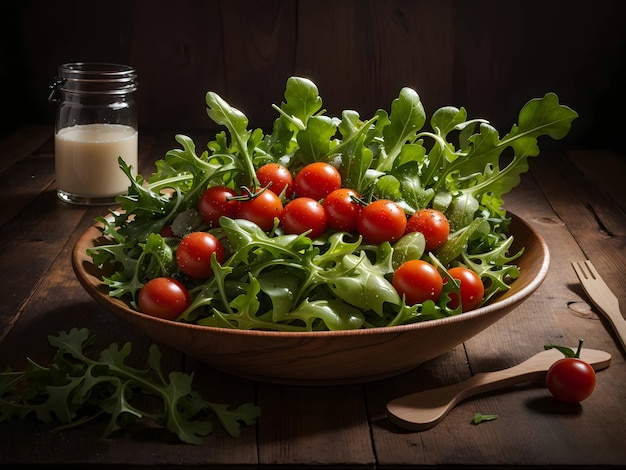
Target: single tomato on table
{"points": [[570, 380]]}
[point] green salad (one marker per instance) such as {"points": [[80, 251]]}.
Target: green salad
{"points": [[325, 223]]}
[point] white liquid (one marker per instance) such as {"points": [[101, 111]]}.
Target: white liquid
{"points": [[86, 159]]}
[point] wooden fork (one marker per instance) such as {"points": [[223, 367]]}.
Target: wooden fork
{"points": [[602, 297]]}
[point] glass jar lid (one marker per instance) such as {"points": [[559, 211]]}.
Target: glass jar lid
{"points": [[94, 78]]}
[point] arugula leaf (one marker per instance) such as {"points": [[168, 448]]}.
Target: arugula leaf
{"points": [[314, 142], [478, 174], [407, 117], [73, 383], [237, 124], [481, 418]]}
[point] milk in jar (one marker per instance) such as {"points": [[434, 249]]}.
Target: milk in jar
{"points": [[86, 159], [96, 125]]}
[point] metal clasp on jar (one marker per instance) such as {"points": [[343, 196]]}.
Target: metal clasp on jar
{"points": [[54, 89]]}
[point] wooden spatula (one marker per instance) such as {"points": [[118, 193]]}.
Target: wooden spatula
{"points": [[422, 410]]}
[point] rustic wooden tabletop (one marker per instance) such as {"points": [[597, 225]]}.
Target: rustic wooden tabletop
{"points": [[575, 199]]}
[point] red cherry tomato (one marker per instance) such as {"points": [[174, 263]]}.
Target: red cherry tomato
{"points": [[380, 221], [163, 297], [432, 224], [303, 214], [194, 253], [418, 281], [261, 209], [472, 289], [279, 177], [215, 203], [571, 380], [317, 180], [342, 211]]}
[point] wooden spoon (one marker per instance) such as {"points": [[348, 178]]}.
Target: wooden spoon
{"points": [[422, 410]]}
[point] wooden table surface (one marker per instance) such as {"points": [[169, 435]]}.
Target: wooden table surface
{"points": [[575, 199]]}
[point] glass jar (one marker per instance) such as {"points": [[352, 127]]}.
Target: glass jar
{"points": [[96, 124]]}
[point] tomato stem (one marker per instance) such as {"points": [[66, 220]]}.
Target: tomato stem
{"points": [[567, 351], [358, 200], [580, 346], [248, 194]]}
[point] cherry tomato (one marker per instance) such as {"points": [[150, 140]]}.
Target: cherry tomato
{"points": [[303, 214], [215, 203], [342, 211], [571, 380], [261, 209], [163, 297], [380, 221], [432, 224], [194, 253], [472, 289], [279, 177], [418, 281], [317, 180]]}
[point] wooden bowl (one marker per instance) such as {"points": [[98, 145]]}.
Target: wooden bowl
{"points": [[327, 357]]}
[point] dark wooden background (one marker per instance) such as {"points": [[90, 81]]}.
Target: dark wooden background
{"points": [[485, 55]]}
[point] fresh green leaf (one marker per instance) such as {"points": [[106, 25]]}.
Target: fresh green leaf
{"points": [[406, 118], [75, 390], [567, 352], [481, 418]]}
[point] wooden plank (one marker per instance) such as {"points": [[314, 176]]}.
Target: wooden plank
{"points": [[219, 448], [373, 49], [22, 143], [67, 31], [496, 70], [390, 442], [602, 233], [606, 173], [325, 426], [314, 426], [259, 49], [41, 230], [26, 178], [177, 51]]}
